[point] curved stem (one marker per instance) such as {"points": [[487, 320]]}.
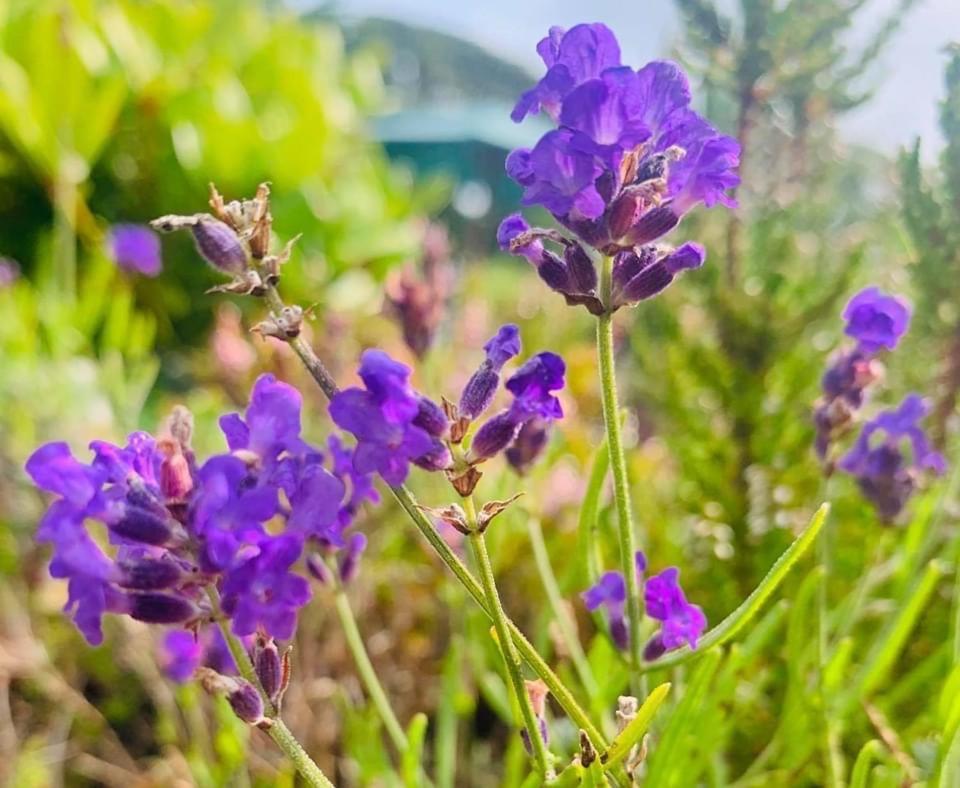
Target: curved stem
{"points": [[511, 657], [278, 731], [618, 462], [367, 673], [409, 504]]}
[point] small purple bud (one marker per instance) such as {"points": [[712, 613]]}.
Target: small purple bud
{"points": [[651, 226], [350, 563], [553, 271], [654, 649], [494, 436], [619, 633], [479, 392], [580, 266], [246, 702], [149, 574], [430, 417], [528, 445], [143, 525], [318, 568], [161, 608], [219, 245], [269, 668], [437, 459]]}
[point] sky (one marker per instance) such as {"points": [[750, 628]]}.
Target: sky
{"points": [[908, 78]]}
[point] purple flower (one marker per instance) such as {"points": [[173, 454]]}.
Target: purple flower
{"points": [[681, 622], [262, 592], [182, 654], [886, 475], [628, 160], [382, 416], [571, 58], [876, 320], [645, 271], [529, 444], [532, 386], [610, 593], [9, 272], [135, 248], [482, 386]]}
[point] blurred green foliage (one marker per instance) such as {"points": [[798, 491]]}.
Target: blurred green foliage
{"points": [[122, 110]]}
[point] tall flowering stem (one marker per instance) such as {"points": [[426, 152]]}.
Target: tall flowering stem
{"points": [[511, 657], [453, 562], [618, 463], [362, 660], [278, 730]]}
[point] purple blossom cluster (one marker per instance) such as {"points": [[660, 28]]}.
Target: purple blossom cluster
{"points": [[876, 321], [886, 475], [680, 621], [628, 159], [135, 248], [396, 426], [175, 528]]}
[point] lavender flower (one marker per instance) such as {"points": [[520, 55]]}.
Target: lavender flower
{"points": [[628, 160], [610, 593], [9, 271], [177, 527], [135, 248], [182, 652], [681, 622], [386, 419], [532, 386], [877, 321], [482, 386], [529, 444], [885, 474]]}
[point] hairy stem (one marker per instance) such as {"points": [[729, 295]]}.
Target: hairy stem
{"points": [[511, 657], [618, 463], [367, 673], [278, 731], [409, 504]]}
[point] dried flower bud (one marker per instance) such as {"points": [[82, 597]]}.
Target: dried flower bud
{"points": [[161, 608], [268, 666], [176, 481], [587, 753]]}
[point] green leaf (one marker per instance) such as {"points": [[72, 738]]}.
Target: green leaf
{"points": [[413, 755], [733, 624], [891, 642], [587, 522], [870, 752], [665, 760], [620, 747]]}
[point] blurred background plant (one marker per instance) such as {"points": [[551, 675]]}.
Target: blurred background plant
{"points": [[117, 111]]}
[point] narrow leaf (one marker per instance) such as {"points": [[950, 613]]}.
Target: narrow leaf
{"points": [[731, 626], [620, 747], [870, 752], [413, 755]]}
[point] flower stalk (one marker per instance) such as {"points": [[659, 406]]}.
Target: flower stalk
{"points": [[618, 463], [278, 731], [362, 660], [511, 657]]}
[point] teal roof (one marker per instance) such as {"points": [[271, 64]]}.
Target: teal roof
{"points": [[488, 123]]}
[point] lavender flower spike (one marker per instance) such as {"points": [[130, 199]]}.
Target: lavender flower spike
{"points": [[482, 386], [883, 472]]}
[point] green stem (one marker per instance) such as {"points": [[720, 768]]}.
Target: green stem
{"points": [[367, 673], [618, 462], [409, 504], [564, 622], [278, 731], [511, 657]]}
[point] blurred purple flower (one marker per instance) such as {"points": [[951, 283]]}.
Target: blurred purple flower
{"points": [[383, 416], [885, 474], [9, 271], [135, 248], [681, 622], [876, 320]]}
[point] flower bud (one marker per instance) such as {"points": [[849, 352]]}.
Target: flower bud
{"points": [[493, 437], [139, 524], [437, 459], [219, 245], [149, 574], [176, 481], [350, 563], [318, 568], [161, 608], [528, 445], [582, 272], [430, 417], [269, 667], [651, 226], [479, 392]]}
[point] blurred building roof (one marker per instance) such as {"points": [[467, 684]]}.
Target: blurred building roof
{"points": [[484, 122]]}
